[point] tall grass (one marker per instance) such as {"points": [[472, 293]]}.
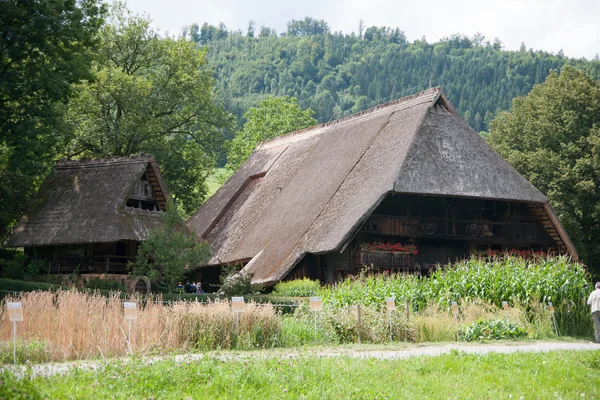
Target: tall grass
{"points": [[73, 325]]}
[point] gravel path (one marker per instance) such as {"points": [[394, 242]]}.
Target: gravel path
{"points": [[412, 351]]}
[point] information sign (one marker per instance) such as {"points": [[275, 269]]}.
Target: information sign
{"points": [[238, 304], [316, 304], [15, 311], [130, 310]]}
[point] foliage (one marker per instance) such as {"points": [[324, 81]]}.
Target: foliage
{"points": [[491, 329], [149, 94], [30, 351], [552, 137], [235, 282], [297, 288], [104, 284], [45, 47], [169, 250], [336, 74], [14, 285], [564, 374], [513, 279], [273, 117]]}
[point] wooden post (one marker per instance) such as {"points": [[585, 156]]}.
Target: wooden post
{"points": [[407, 305], [358, 321], [107, 263]]}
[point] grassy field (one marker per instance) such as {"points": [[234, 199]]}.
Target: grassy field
{"points": [[213, 181], [553, 375]]}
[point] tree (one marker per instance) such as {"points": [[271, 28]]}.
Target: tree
{"points": [[273, 117], [154, 95], [168, 251], [45, 46], [552, 137], [307, 27]]}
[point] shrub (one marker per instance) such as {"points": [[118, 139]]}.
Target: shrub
{"points": [[297, 288], [491, 329], [104, 284], [235, 283]]}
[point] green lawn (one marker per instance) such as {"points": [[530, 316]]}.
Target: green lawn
{"points": [[563, 374], [213, 181]]}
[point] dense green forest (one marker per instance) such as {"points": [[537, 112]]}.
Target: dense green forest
{"points": [[336, 74]]}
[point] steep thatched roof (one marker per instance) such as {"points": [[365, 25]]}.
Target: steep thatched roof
{"points": [[84, 202], [308, 191]]}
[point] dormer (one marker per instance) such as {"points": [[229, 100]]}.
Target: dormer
{"points": [[147, 193]]}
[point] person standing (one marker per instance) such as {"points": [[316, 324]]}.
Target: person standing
{"points": [[594, 302]]}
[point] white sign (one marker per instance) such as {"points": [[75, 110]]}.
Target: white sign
{"points": [[454, 308], [390, 302], [15, 311], [316, 304], [130, 310], [238, 305], [505, 305]]}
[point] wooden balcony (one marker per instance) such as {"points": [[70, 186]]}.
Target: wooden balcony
{"points": [[90, 264], [523, 231]]}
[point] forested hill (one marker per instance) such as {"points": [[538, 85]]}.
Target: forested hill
{"points": [[338, 74]]}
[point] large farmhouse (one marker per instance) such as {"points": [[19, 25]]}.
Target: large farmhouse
{"points": [[92, 214], [318, 202]]}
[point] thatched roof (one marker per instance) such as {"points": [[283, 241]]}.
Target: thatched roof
{"points": [[309, 191], [85, 202]]}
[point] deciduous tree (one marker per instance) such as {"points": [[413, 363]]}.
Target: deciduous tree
{"points": [[45, 46], [150, 94], [552, 137], [169, 250], [273, 117]]}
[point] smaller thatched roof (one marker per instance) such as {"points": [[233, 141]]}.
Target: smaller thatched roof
{"points": [[85, 202]]}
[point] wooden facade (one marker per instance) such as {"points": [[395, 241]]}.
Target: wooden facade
{"points": [[444, 229], [96, 258]]}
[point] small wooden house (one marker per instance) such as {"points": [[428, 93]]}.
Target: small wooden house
{"points": [[403, 186], [92, 214]]}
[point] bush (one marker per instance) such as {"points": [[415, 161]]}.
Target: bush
{"points": [[236, 283], [492, 329], [297, 288], [104, 284]]}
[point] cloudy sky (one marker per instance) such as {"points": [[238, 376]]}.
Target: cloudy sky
{"points": [[550, 25]]}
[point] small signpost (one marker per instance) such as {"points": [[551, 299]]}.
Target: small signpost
{"points": [[554, 323], [455, 313], [15, 314], [316, 305], [130, 310], [239, 306], [505, 307], [390, 303]]}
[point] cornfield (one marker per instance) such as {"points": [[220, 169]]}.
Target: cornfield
{"points": [[519, 281]]}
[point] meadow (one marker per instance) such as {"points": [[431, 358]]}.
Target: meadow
{"points": [[71, 325], [554, 375]]}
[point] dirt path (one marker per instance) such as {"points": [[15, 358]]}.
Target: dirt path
{"points": [[405, 352]]}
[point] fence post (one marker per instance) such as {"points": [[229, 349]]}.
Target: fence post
{"points": [[406, 304], [358, 320]]}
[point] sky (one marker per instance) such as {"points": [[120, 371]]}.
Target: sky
{"points": [[550, 25]]}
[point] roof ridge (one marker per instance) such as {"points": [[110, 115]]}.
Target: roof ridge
{"points": [[100, 162], [436, 91]]}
